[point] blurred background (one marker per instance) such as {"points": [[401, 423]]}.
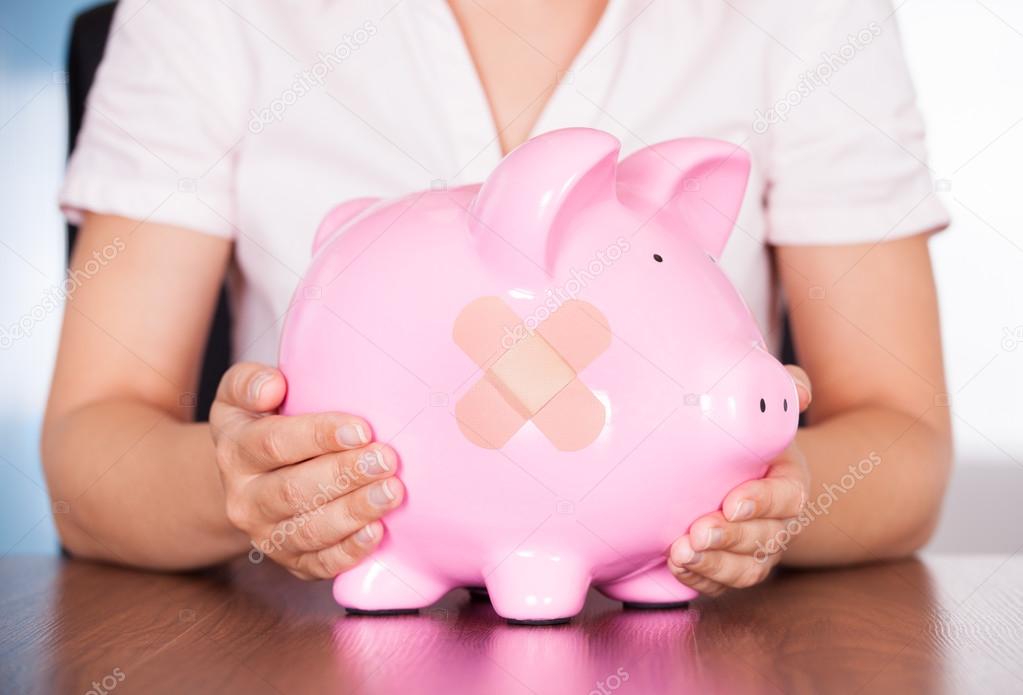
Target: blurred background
{"points": [[966, 57]]}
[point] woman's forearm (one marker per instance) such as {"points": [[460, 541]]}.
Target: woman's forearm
{"points": [[878, 476], [131, 484]]}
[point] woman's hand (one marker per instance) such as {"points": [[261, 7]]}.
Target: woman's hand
{"points": [[737, 546], [308, 490]]}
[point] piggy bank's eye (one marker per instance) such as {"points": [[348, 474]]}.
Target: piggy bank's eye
{"points": [[657, 257], [763, 405]]}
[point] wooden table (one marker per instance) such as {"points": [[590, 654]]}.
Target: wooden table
{"points": [[940, 624]]}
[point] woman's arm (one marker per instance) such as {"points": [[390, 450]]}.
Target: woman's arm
{"points": [[864, 480], [145, 486], [865, 323], [119, 448]]}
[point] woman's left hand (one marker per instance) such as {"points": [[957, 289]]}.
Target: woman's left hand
{"points": [[736, 546]]}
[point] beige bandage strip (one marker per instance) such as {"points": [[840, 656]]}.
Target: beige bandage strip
{"points": [[530, 376]]}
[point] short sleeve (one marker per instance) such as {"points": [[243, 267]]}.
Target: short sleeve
{"points": [[164, 119], [847, 160]]}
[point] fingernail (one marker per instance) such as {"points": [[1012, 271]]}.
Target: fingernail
{"points": [[806, 394], [743, 511], [352, 434], [256, 385], [381, 494], [374, 463], [804, 388], [685, 555], [366, 535], [711, 537]]}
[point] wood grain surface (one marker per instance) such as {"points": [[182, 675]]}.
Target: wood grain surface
{"points": [[939, 624]]}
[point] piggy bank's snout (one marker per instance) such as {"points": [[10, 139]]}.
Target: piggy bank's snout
{"points": [[756, 403]]}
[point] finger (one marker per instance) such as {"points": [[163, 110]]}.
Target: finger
{"points": [[310, 484], [251, 387], [780, 495], [707, 587], [713, 532], [329, 524], [341, 557], [278, 440], [803, 387], [730, 569]]}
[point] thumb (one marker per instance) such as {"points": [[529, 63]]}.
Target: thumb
{"points": [[802, 385], [253, 387]]}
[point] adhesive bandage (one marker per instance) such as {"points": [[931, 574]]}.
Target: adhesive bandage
{"points": [[532, 377]]}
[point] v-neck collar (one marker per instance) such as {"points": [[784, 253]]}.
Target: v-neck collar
{"points": [[576, 101]]}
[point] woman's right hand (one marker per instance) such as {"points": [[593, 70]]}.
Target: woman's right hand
{"points": [[308, 490]]}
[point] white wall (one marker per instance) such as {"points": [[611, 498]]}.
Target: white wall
{"points": [[32, 145], [967, 56]]}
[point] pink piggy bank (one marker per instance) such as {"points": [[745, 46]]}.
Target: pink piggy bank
{"points": [[567, 376]]}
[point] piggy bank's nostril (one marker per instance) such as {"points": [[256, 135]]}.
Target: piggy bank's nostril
{"points": [[785, 404], [763, 405]]}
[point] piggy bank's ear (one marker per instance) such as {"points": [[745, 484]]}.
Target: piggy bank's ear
{"points": [[336, 219], [700, 182], [525, 202]]}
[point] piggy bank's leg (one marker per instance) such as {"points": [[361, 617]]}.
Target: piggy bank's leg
{"points": [[653, 588], [384, 584], [537, 588]]}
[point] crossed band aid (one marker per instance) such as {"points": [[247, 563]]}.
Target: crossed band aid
{"points": [[530, 375]]}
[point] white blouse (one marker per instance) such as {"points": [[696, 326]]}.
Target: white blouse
{"points": [[251, 119]]}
